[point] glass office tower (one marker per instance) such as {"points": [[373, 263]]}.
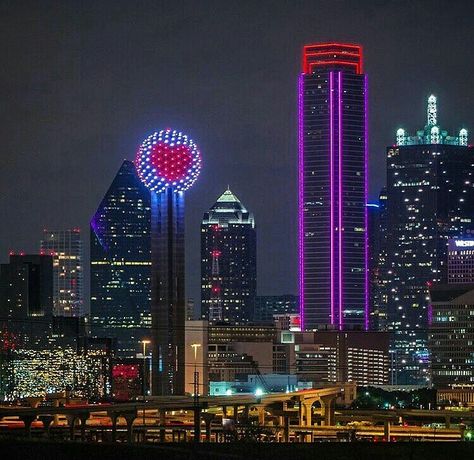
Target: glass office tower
{"points": [[120, 261], [228, 261], [430, 198], [333, 187]]}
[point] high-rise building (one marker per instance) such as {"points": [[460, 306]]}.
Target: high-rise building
{"points": [[121, 263], [451, 335], [333, 187], [376, 250], [228, 261], [65, 246], [430, 198], [26, 297], [168, 163]]}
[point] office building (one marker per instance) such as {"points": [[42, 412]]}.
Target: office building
{"points": [[228, 261], [266, 306], [26, 299], [342, 356], [377, 226], [451, 335], [430, 198], [168, 162], [65, 246], [333, 187], [461, 261], [120, 258]]}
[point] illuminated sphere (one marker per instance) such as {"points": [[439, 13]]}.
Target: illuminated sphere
{"points": [[168, 159]]}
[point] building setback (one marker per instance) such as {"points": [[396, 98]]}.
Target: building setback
{"points": [[333, 187], [120, 261], [430, 198], [65, 246], [228, 262]]}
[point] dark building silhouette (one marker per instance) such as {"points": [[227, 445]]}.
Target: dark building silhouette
{"points": [[26, 297], [268, 305], [333, 187], [228, 261], [377, 250], [430, 198], [120, 259]]}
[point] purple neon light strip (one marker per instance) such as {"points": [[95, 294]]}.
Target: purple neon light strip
{"points": [[331, 188], [340, 248], [366, 160], [301, 198]]}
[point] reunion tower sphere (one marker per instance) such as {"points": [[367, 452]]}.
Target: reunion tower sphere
{"points": [[168, 159]]}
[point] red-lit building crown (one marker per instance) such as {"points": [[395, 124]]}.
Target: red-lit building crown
{"points": [[334, 55]]}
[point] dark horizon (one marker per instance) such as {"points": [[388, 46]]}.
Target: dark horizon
{"points": [[83, 85]]}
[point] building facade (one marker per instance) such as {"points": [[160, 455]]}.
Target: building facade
{"points": [[461, 261], [26, 298], [120, 258], [65, 246], [266, 306], [451, 335], [343, 356], [333, 187], [430, 198], [228, 261]]}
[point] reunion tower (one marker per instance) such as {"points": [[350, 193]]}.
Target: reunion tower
{"points": [[168, 163]]}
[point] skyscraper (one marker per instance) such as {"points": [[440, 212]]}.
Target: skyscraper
{"points": [[65, 246], [121, 262], [430, 198], [168, 162], [333, 187], [228, 261]]}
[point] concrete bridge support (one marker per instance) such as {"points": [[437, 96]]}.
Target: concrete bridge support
{"points": [[386, 430], [162, 421], [328, 405], [28, 420], [208, 418], [46, 420]]}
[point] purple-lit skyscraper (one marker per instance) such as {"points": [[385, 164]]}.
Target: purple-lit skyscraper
{"points": [[332, 177]]}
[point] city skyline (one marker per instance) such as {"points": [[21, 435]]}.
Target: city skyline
{"points": [[237, 223], [255, 142]]}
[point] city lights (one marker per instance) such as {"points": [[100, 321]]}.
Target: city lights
{"points": [[168, 159]]}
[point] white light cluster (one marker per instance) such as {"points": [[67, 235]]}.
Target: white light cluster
{"points": [[150, 176]]}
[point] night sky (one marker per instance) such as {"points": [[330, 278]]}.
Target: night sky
{"points": [[82, 83]]}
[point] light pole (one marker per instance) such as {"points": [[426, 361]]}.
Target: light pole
{"points": [[145, 342], [197, 412]]}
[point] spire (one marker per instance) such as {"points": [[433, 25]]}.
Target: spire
{"points": [[228, 197], [432, 111]]}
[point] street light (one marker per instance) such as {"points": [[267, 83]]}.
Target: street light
{"points": [[197, 416], [144, 342], [195, 347]]}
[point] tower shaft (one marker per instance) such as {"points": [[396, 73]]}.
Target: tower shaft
{"points": [[167, 292]]}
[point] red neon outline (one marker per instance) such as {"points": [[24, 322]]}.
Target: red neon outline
{"points": [[346, 48], [325, 63]]}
